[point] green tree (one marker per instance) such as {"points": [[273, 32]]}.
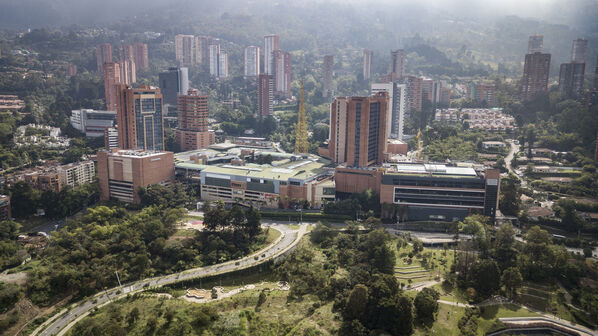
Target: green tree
{"points": [[512, 280], [485, 277], [426, 305], [356, 305]]}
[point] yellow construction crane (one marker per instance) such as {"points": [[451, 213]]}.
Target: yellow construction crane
{"points": [[301, 145]]}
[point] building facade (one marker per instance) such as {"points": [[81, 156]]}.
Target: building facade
{"points": [[214, 59], [128, 71], [77, 173], [282, 73], [414, 93], [270, 45], [428, 192], [571, 79], [482, 93], [251, 61], [140, 118], [184, 49], [397, 102], [222, 65], [265, 95], [111, 138], [122, 172], [92, 122], [535, 44], [103, 55], [536, 71], [579, 50], [173, 82], [192, 132], [141, 56], [397, 64], [228, 178], [358, 130], [202, 50], [112, 75]]}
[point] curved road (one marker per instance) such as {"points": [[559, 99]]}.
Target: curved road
{"points": [[63, 321]]}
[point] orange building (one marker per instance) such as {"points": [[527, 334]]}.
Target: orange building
{"points": [[128, 71], [358, 132], [122, 172], [140, 118], [265, 95], [111, 79], [103, 55], [141, 55], [414, 93], [193, 132]]}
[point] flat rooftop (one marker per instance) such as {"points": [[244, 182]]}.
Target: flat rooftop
{"points": [[284, 166], [302, 169], [431, 169], [135, 153]]}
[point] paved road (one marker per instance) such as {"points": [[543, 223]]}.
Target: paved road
{"points": [[62, 323], [512, 150]]}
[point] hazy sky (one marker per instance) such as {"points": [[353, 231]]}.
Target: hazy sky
{"points": [[40, 12]]}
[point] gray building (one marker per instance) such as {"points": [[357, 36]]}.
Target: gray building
{"points": [[92, 122], [173, 82], [397, 102]]}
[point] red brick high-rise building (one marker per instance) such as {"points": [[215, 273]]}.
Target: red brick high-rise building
{"points": [[397, 64], [265, 95], [282, 72], [112, 77], [126, 52], [482, 92], [358, 135], [184, 49], [414, 93], [128, 71], [571, 79], [193, 132], [140, 118], [103, 55], [535, 75], [202, 50], [141, 56]]}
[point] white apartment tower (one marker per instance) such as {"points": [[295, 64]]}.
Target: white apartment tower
{"points": [[397, 102], [251, 61], [270, 45]]}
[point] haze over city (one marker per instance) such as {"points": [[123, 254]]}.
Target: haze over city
{"points": [[315, 167]]}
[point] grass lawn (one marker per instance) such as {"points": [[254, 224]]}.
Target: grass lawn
{"points": [[277, 315], [431, 263], [192, 217], [185, 233], [446, 322], [273, 234], [490, 314]]}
